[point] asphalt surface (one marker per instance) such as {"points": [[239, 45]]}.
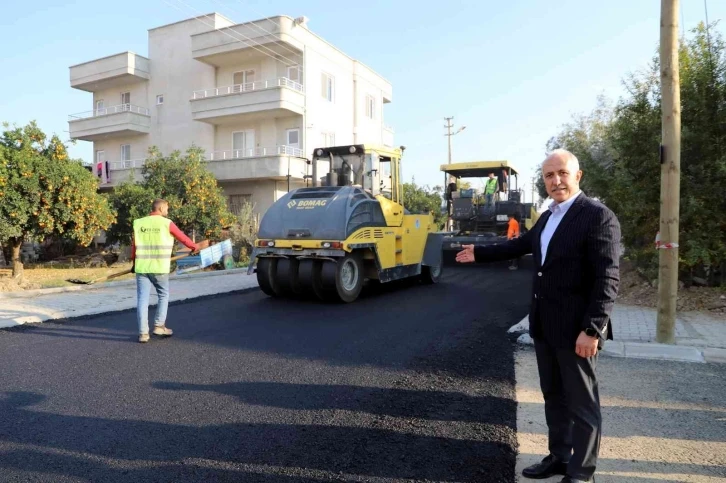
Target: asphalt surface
{"points": [[409, 383]]}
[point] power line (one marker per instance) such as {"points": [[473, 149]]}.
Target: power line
{"points": [[320, 53], [249, 40], [259, 27]]}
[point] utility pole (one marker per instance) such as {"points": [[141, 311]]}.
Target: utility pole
{"points": [[670, 185], [448, 134]]}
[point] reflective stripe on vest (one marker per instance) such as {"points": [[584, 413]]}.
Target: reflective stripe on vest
{"points": [[154, 245]]}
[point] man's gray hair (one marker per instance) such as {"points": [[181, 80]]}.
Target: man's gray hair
{"points": [[571, 158]]}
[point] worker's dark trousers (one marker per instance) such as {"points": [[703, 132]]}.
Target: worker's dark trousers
{"points": [[572, 407]]}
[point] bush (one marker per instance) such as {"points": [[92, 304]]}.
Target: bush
{"points": [[243, 232]]}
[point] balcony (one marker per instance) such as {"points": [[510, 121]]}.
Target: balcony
{"points": [[117, 172], [109, 122], [126, 164], [257, 163], [118, 70], [223, 47], [242, 102]]}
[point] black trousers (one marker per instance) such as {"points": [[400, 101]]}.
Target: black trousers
{"points": [[572, 407]]}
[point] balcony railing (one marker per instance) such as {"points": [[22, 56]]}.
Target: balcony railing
{"points": [[248, 87], [255, 153], [109, 110], [126, 164]]}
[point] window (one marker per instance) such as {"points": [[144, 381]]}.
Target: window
{"points": [[125, 101], [294, 74], [235, 203], [125, 152], [327, 86], [243, 143], [293, 138], [243, 80], [100, 108], [160, 99], [370, 107], [327, 139]]}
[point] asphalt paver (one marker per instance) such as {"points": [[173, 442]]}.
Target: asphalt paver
{"points": [[409, 383]]}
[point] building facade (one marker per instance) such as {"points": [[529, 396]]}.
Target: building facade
{"points": [[257, 97]]}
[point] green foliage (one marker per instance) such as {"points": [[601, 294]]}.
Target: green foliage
{"points": [[422, 199], [43, 192], [130, 201], [243, 232], [618, 149], [196, 202]]}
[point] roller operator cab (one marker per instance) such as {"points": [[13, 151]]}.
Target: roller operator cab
{"points": [[350, 226]]}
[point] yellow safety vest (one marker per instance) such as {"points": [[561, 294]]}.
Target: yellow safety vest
{"points": [[154, 245]]}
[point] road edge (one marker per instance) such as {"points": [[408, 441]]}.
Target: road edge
{"points": [[640, 350]]}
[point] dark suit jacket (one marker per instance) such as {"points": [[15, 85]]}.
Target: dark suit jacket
{"points": [[578, 283]]}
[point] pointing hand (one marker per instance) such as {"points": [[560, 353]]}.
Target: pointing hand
{"points": [[466, 255]]}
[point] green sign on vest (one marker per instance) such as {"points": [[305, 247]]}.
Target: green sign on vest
{"points": [[154, 245]]}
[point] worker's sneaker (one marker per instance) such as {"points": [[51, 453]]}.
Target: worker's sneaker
{"points": [[162, 330], [143, 338]]}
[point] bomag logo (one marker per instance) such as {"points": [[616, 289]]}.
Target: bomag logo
{"points": [[306, 204], [150, 230]]}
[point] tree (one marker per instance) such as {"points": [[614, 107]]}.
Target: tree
{"points": [[196, 203], [417, 199], [618, 150], [43, 192]]}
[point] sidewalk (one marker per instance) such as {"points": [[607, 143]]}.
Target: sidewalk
{"points": [[18, 308], [700, 337], [661, 420]]}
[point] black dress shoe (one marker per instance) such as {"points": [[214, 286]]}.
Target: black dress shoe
{"points": [[549, 466]]}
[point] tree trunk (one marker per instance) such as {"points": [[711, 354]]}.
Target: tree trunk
{"points": [[16, 244]]}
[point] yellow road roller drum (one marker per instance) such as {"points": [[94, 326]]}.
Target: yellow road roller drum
{"points": [[350, 226]]}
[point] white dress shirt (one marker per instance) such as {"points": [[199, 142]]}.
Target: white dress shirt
{"points": [[558, 212]]}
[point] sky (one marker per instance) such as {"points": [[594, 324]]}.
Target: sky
{"points": [[512, 72]]}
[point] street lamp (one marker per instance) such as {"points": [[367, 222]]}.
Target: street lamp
{"points": [[449, 221], [449, 133]]}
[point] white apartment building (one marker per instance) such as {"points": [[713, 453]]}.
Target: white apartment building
{"points": [[257, 97]]}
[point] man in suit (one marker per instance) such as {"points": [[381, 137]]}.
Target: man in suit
{"points": [[575, 246]]}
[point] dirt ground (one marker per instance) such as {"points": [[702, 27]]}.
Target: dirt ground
{"points": [[636, 290], [34, 278]]}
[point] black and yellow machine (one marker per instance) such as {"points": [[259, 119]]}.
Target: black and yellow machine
{"points": [[348, 227], [482, 217]]}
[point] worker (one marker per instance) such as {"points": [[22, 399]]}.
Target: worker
{"points": [[513, 232], [151, 249], [490, 190]]}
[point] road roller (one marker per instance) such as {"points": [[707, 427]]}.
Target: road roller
{"points": [[349, 228]]}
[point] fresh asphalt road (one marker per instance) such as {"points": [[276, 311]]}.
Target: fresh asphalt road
{"points": [[409, 383]]}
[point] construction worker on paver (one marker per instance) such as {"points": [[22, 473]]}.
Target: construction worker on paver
{"points": [[151, 250], [490, 190]]}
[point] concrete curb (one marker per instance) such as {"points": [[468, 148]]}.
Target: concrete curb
{"points": [[642, 350], [76, 288], [75, 314]]}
